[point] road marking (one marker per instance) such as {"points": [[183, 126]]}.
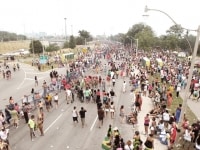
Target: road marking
{"points": [[28, 69], [20, 84], [22, 81], [37, 72], [93, 123], [29, 79], [52, 123]]}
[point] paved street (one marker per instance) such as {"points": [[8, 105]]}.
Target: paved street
{"points": [[22, 82], [60, 133]]}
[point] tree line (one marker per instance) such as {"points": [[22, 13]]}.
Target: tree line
{"points": [[7, 36], [83, 38], [175, 39]]}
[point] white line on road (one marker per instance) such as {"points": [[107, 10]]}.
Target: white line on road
{"points": [[29, 79], [20, 84], [52, 123], [93, 123], [37, 72]]}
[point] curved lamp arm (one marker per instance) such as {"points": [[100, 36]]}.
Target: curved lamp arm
{"points": [[147, 9]]}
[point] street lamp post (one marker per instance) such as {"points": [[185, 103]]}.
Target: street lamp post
{"points": [[131, 42], [122, 41], [131, 38], [184, 104], [136, 51], [65, 28]]}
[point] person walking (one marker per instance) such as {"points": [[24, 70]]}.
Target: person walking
{"points": [[25, 110], [15, 116], [56, 100], [68, 95], [146, 124], [40, 121], [122, 114], [82, 116], [31, 124], [101, 115], [112, 110], [124, 87], [36, 81], [75, 116], [113, 81]]}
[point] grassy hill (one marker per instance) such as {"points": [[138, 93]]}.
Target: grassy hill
{"points": [[13, 46]]}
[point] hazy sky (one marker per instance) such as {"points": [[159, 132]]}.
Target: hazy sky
{"points": [[96, 16]]}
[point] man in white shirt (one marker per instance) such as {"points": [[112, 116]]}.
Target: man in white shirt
{"points": [[4, 134], [68, 95], [166, 118]]}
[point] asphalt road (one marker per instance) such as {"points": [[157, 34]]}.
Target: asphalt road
{"points": [[22, 82], [60, 133]]}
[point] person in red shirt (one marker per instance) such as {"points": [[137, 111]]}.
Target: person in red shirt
{"points": [[173, 135]]}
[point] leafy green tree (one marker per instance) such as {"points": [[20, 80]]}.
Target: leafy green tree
{"points": [[7, 36], [72, 42], [52, 47], [36, 47], [146, 38], [175, 30], [137, 28], [79, 41], [66, 44], [84, 35]]}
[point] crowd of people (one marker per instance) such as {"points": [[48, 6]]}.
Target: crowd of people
{"points": [[157, 80]]}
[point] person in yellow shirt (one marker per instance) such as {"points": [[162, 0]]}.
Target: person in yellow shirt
{"points": [[49, 97], [171, 88], [31, 124]]}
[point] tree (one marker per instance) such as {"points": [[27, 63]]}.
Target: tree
{"points": [[137, 28], [36, 47], [175, 30], [7, 36], [79, 41], [52, 47], [146, 38], [66, 44], [83, 35], [72, 42]]}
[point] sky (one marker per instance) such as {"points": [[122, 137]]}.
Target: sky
{"points": [[98, 17]]}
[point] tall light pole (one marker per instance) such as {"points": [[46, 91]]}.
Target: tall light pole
{"points": [[131, 41], [33, 51], [65, 28], [122, 41], [184, 104], [136, 51], [131, 38]]}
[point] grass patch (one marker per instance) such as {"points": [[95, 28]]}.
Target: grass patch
{"points": [[176, 101], [189, 114], [11, 46]]}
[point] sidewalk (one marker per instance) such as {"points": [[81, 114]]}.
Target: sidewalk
{"points": [[146, 107], [192, 104]]}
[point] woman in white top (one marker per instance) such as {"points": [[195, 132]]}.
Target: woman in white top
{"points": [[112, 110]]}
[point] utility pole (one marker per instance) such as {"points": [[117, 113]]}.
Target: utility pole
{"points": [[65, 28], [33, 50]]}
